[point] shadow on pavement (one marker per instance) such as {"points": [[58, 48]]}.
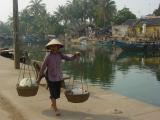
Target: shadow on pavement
{"points": [[72, 115]]}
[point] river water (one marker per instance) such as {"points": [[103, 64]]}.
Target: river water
{"points": [[133, 74]]}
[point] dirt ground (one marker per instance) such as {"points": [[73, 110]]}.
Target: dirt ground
{"points": [[8, 111]]}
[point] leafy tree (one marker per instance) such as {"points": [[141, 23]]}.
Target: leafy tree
{"points": [[62, 15], [105, 10], [4, 28], [36, 7], [35, 20], [53, 26], [157, 11], [123, 15], [71, 18], [34, 17], [78, 13], [25, 22]]}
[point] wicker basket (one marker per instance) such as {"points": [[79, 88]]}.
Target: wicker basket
{"points": [[76, 98], [27, 91]]}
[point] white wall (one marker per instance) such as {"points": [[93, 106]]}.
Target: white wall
{"points": [[120, 30]]}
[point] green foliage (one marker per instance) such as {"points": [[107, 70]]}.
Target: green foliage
{"points": [[123, 15], [4, 28], [79, 13], [157, 11], [71, 18], [33, 18], [104, 12]]}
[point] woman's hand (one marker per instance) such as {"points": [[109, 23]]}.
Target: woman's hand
{"points": [[38, 81], [77, 54]]}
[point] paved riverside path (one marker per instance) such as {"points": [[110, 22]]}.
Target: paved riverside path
{"points": [[102, 104]]}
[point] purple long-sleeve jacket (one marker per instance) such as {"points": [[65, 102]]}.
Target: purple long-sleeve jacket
{"points": [[52, 63]]}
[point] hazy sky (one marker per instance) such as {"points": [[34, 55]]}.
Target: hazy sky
{"points": [[138, 7]]}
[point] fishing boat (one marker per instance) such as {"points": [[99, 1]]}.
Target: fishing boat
{"points": [[138, 45]]}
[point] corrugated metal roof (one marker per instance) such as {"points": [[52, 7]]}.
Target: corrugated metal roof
{"points": [[155, 21], [130, 22], [150, 22]]}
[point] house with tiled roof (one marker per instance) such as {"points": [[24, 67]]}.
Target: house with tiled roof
{"points": [[151, 26], [145, 27]]}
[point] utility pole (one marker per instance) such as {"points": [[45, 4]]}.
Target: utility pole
{"points": [[15, 35]]}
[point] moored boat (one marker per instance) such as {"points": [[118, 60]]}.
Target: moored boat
{"points": [[7, 53], [105, 42], [138, 45]]}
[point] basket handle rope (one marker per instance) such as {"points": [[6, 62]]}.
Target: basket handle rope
{"points": [[23, 68], [78, 66], [19, 73], [29, 74], [82, 76], [83, 81]]}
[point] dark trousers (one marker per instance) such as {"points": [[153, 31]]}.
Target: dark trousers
{"points": [[54, 89]]}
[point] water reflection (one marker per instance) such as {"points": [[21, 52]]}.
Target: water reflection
{"points": [[99, 64], [95, 65], [143, 60], [134, 74]]}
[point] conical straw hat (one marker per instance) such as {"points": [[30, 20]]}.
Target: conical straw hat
{"points": [[54, 42]]}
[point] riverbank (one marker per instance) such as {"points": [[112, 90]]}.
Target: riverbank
{"points": [[102, 104]]}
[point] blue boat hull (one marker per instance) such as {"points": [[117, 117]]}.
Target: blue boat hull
{"points": [[137, 45]]}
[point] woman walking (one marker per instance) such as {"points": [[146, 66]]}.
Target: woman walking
{"points": [[52, 66]]}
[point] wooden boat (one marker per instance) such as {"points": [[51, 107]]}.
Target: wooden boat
{"points": [[7, 53], [138, 45]]}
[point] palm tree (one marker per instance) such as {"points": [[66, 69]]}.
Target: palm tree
{"points": [[36, 7], [105, 10], [37, 12], [61, 14], [75, 10], [157, 11]]}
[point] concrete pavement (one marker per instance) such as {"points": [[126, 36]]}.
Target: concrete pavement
{"points": [[102, 104]]}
